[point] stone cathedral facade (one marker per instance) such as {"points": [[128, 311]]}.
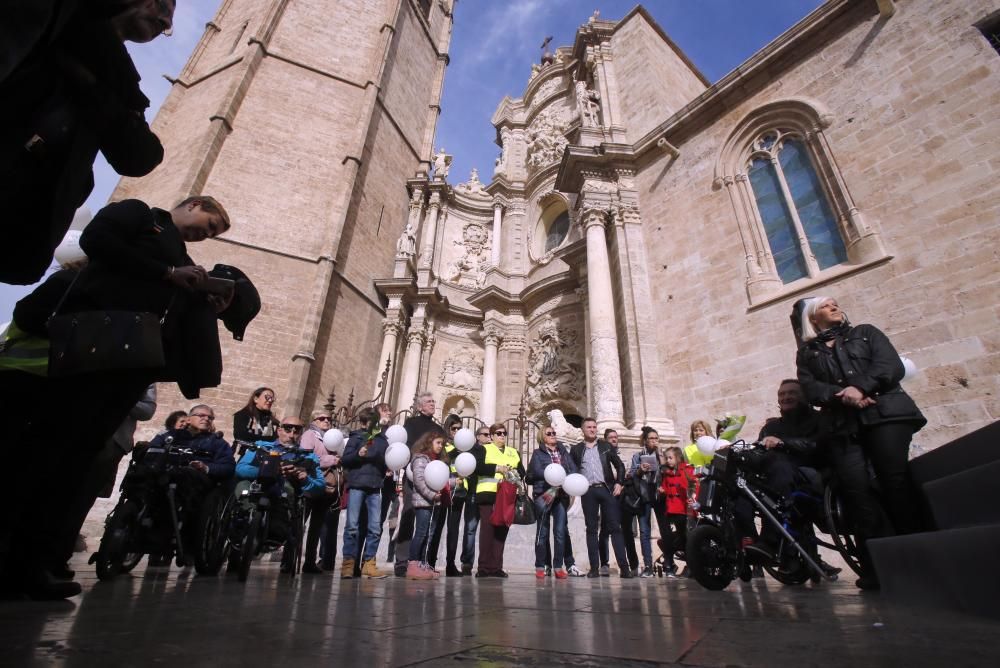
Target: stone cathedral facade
{"points": [[638, 247]]}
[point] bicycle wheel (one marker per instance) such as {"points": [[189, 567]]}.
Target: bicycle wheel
{"points": [[119, 530], [248, 547], [707, 560]]}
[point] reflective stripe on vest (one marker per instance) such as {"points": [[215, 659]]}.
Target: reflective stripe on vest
{"points": [[509, 456], [21, 351], [452, 454]]}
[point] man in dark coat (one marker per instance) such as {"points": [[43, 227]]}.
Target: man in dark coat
{"points": [[416, 426], [69, 89]]}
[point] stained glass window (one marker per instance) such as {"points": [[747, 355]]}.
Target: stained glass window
{"points": [[808, 204], [557, 232]]}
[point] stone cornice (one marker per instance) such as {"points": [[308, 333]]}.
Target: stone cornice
{"points": [[396, 288], [577, 159]]}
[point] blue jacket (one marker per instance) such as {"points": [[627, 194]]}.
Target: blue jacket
{"points": [[366, 472], [541, 458], [313, 485], [214, 450]]}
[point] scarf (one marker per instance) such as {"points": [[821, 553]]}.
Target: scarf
{"points": [[835, 332]]}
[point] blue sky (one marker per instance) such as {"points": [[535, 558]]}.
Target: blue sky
{"points": [[492, 49]]}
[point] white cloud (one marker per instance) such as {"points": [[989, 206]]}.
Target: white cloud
{"points": [[513, 27]]}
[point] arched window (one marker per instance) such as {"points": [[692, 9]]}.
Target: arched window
{"points": [[794, 210], [796, 218], [557, 232]]}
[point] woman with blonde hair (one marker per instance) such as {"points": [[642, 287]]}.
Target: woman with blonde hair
{"points": [[694, 456]]}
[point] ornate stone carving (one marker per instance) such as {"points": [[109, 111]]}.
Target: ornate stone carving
{"points": [[565, 432], [588, 102], [416, 336], [546, 139], [607, 388], [391, 326], [546, 89], [406, 245], [442, 163], [554, 369], [492, 335], [463, 370], [627, 214], [599, 186], [470, 269], [473, 187]]}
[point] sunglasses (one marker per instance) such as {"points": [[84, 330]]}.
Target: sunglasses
{"points": [[322, 418], [484, 433], [268, 397], [292, 427], [499, 433], [550, 433], [455, 428]]}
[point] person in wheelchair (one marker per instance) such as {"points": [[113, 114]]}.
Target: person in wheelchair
{"points": [[209, 463], [298, 474], [790, 462]]}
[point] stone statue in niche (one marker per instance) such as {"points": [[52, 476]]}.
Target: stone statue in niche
{"points": [[589, 103], [473, 187], [554, 370], [565, 432], [462, 371], [442, 163], [406, 246], [469, 270], [546, 140]]}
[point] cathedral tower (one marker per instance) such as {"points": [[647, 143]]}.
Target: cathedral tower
{"points": [[303, 117]]}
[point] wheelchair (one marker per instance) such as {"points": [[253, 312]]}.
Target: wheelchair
{"points": [[149, 517]]}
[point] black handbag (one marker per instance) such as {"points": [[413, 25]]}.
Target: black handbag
{"points": [[524, 510], [103, 340]]}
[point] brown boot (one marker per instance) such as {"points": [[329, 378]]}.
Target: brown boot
{"points": [[347, 569], [370, 570]]}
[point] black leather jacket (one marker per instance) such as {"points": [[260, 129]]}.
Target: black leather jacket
{"points": [[862, 357], [614, 469], [799, 431]]}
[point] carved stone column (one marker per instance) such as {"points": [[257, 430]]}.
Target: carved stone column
{"points": [[391, 329], [605, 366], [411, 366], [488, 408], [497, 216], [430, 230]]}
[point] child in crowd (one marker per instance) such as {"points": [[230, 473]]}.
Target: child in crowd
{"points": [[678, 478], [428, 448]]}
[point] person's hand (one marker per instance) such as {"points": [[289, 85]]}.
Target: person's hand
{"points": [[502, 468], [852, 396], [189, 278], [199, 466], [437, 497], [644, 466], [287, 470], [617, 490], [363, 452], [771, 442], [336, 460], [220, 302]]}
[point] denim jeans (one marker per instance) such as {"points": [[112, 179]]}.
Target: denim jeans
{"points": [[421, 529], [645, 533], [471, 525], [372, 500], [557, 515]]}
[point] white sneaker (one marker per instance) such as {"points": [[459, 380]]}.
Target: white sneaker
{"points": [[575, 572]]}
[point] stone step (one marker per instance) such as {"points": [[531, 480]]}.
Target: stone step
{"points": [[974, 449], [966, 498], [953, 569]]}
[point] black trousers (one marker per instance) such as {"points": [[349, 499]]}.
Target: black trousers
{"points": [[601, 508], [322, 513], [895, 510]]}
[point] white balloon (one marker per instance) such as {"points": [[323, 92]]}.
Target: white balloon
{"points": [[69, 249], [722, 443], [555, 474], [465, 438], [436, 475], [465, 464], [397, 456], [707, 445], [333, 440], [396, 434], [909, 368], [575, 484]]}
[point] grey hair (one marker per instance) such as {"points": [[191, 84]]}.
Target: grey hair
{"points": [[808, 331], [424, 396]]}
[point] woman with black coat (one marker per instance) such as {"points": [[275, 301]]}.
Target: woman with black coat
{"points": [[852, 373], [255, 421]]}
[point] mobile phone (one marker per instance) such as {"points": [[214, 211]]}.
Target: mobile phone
{"points": [[219, 286]]}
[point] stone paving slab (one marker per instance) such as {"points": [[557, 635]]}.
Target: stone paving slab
{"points": [[170, 616]]}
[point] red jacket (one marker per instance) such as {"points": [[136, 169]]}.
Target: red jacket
{"points": [[675, 487]]}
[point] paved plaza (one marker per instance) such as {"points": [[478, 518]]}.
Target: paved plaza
{"points": [[172, 617]]}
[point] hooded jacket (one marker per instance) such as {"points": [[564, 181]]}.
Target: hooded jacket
{"points": [[368, 471]]}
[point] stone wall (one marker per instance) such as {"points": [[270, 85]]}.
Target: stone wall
{"points": [[913, 103]]}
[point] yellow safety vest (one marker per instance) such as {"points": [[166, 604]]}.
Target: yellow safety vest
{"points": [[20, 351], [694, 456], [509, 456], [452, 454]]}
